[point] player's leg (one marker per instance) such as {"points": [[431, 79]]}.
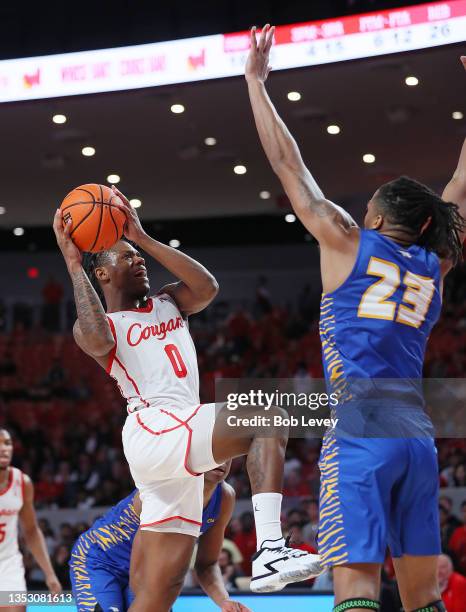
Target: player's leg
{"points": [[107, 589], [355, 498], [418, 583], [80, 579], [264, 446], [415, 529], [215, 439], [161, 563], [135, 571], [357, 586], [156, 445], [12, 580]]}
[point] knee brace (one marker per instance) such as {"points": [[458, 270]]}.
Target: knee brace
{"points": [[357, 602]]}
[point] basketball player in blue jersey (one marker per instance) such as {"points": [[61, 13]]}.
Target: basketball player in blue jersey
{"points": [[106, 555], [382, 296]]}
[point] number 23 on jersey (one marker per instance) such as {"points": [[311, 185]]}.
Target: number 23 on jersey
{"points": [[417, 296]]}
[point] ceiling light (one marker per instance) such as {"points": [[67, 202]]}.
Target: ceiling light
{"points": [[293, 96], [333, 129], [240, 169], [457, 115], [290, 218], [2, 210], [18, 231], [59, 119], [174, 243], [412, 81], [177, 108], [135, 203], [88, 151], [113, 178], [210, 141], [264, 195], [368, 158]]}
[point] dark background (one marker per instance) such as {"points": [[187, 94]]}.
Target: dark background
{"points": [[40, 28]]}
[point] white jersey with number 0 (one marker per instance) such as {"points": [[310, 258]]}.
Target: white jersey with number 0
{"points": [[154, 360]]}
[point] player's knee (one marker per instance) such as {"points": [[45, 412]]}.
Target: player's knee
{"points": [[164, 589], [280, 418], [177, 579]]}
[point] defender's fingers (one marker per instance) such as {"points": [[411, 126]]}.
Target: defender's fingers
{"points": [[253, 38], [263, 36], [269, 40]]}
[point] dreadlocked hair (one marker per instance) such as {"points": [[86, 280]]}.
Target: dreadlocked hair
{"points": [[91, 261], [411, 205]]}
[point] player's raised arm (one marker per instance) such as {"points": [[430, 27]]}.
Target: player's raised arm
{"points": [[206, 564], [455, 191], [326, 221], [34, 537], [196, 288], [91, 331]]}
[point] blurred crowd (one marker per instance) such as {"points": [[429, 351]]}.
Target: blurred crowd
{"points": [[66, 414]]}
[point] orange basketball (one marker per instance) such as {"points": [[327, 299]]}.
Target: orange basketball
{"points": [[96, 222]]}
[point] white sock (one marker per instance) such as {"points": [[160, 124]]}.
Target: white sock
{"points": [[267, 509]]}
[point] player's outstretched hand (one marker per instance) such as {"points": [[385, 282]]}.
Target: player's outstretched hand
{"points": [[463, 61], [257, 65], [133, 229], [53, 585], [234, 606], [70, 251]]}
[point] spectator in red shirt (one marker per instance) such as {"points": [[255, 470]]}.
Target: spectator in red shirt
{"points": [[245, 540], [457, 543], [297, 540], [452, 585]]}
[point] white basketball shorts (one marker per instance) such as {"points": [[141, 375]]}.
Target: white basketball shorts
{"points": [[12, 574], [168, 452]]}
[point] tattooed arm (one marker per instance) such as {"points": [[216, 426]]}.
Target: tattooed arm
{"points": [[91, 331], [325, 220]]}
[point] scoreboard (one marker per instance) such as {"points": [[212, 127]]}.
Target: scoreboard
{"points": [[224, 55]]}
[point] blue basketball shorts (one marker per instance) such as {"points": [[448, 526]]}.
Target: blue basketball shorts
{"points": [[376, 493], [93, 584]]}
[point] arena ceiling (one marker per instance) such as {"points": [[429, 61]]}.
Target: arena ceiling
{"points": [[162, 158]]}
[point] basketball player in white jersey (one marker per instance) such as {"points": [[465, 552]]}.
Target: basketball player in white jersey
{"points": [[16, 502], [169, 439]]}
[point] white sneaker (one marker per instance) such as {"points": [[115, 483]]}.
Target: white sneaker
{"points": [[275, 565]]}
